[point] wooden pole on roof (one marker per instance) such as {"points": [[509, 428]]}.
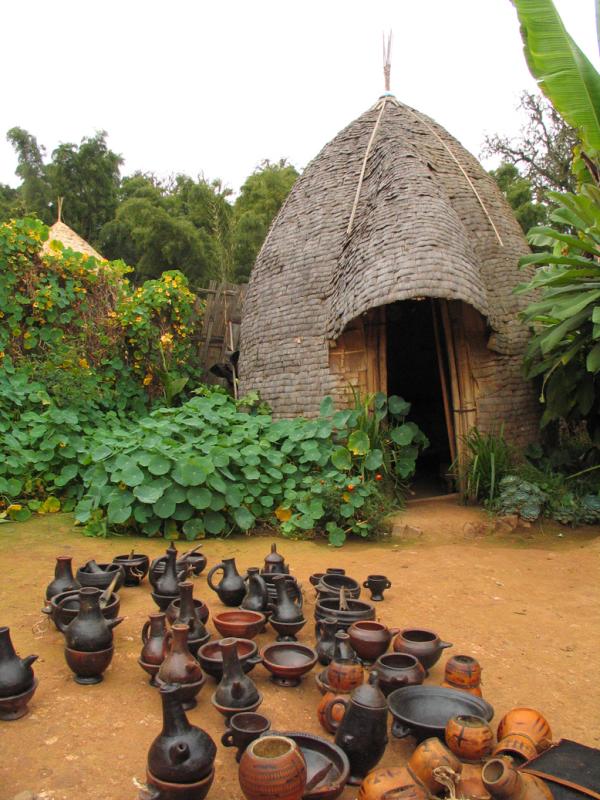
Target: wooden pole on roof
{"points": [[387, 61]]}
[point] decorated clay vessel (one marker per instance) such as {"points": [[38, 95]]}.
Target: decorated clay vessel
{"points": [[331, 723], [463, 672], [421, 643], [392, 783], [180, 667], [425, 759], [63, 578], [231, 589], [504, 782], [516, 746], [272, 767], [469, 737], [529, 722], [345, 672]]}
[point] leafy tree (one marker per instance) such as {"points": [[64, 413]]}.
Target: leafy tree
{"points": [[8, 202], [35, 192], [261, 197], [519, 194]]}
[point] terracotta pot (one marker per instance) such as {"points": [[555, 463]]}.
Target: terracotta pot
{"points": [[370, 639], [470, 784], [63, 578], [272, 768], [421, 643], [180, 667], [396, 670], [503, 782], [88, 667], [288, 661], [345, 613], [338, 708], [526, 721], [243, 729], [240, 624], [463, 672], [345, 672], [517, 746], [469, 737], [286, 631], [331, 584], [426, 757], [385, 783]]}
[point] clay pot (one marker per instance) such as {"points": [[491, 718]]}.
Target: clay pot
{"points": [[167, 583], [469, 737], [172, 612], [159, 565], [287, 630], [257, 595], [231, 589], [426, 757], [163, 790], [463, 672], [101, 578], [136, 566], [377, 584], [64, 607], [285, 609], [240, 624], [288, 661], [396, 670], [272, 767], [345, 612], [15, 706], [210, 656], [385, 783], [517, 746], [421, 643], [315, 578], [370, 639], [331, 585], [243, 729], [338, 708], [155, 647], [344, 673], [88, 666], [180, 667], [181, 753], [502, 781], [470, 783], [188, 615], [63, 578], [89, 632], [292, 586], [235, 690], [529, 722], [275, 563], [325, 647], [16, 674]]}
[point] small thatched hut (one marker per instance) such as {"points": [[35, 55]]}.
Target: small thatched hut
{"points": [[62, 233], [390, 268]]}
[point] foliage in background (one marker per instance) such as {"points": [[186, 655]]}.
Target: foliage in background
{"points": [[519, 193], [488, 460]]}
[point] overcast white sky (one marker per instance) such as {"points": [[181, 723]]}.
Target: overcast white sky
{"points": [[215, 87]]}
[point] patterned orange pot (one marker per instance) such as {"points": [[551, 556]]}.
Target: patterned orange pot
{"points": [[503, 782], [470, 783], [428, 755], [396, 782], [272, 768], [526, 721], [344, 676], [517, 746], [470, 738], [337, 710], [463, 673]]}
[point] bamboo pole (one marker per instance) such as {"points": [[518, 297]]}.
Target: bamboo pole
{"points": [[444, 384], [456, 395]]}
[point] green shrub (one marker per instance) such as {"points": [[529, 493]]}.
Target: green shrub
{"points": [[488, 461]]}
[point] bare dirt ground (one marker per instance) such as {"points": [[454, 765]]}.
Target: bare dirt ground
{"points": [[525, 602]]}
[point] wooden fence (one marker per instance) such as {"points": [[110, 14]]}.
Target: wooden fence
{"points": [[220, 331]]}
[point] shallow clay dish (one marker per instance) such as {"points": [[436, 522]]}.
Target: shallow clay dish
{"points": [[240, 624], [288, 661]]}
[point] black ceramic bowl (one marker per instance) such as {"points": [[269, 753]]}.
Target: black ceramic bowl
{"points": [[102, 580], [331, 585], [136, 567], [357, 610]]}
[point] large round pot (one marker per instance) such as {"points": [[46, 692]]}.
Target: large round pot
{"points": [[470, 738], [427, 758], [370, 639], [396, 670], [424, 644], [102, 580], [424, 711], [528, 722], [136, 566], [356, 610], [272, 766], [330, 585]]}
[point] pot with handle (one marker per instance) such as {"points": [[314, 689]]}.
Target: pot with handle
{"points": [[231, 589]]}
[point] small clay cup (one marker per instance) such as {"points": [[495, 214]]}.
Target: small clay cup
{"points": [[243, 729], [88, 667], [15, 707], [377, 584]]}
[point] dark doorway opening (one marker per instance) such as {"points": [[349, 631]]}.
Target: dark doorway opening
{"points": [[413, 373]]}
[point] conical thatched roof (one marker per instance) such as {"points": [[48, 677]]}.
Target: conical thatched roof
{"points": [[428, 222], [62, 233]]}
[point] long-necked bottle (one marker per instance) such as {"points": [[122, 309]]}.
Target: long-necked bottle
{"points": [[16, 675], [179, 665], [63, 578], [257, 596], [285, 609], [168, 582], [188, 613], [236, 690]]}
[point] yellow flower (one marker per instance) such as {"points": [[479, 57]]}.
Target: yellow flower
{"points": [[83, 362], [14, 507], [166, 339], [283, 514], [147, 378]]}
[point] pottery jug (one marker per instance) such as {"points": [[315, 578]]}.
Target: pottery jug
{"points": [[153, 637], [326, 630], [365, 720], [504, 782], [63, 578], [231, 588], [236, 689], [528, 722], [188, 614], [273, 767], [181, 753], [285, 609], [89, 632], [274, 562], [423, 644], [385, 783], [179, 665], [370, 639], [168, 582], [256, 597], [345, 672], [427, 757], [16, 675]]}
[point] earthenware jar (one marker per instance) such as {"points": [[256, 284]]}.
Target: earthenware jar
{"points": [[423, 644], [429, 755], [272, 767], [179, 665], [136, 567], [325, 647], [181, 753], [16, 675], [188, 615], [470, 738], [63, 578], [396, 670], [463, 672], [285, 609], [256, 597], [235, 689], [345, 672], [516, 746], [370, 639], [470, 784], [377, 584], [231, 589], [385, 783], [365, 720], [168, 582], [275, 562], [503, 782], [529, 722], [243, 729], [154, 650], [89, 632]]}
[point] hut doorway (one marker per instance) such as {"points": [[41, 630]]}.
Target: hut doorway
{"points": [[414, 362]]}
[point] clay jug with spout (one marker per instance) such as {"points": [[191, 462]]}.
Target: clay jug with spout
{"points": [[345, 672], [231, 588], [275, 562], [153, 637], [285, 609], [168, 582], [63, 578], [236, 689], [256, 597], [16, 675], [188, 615], [89, 632], [327, 628], [179, 665]]}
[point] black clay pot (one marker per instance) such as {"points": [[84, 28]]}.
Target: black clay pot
{"points": [[64, 608], [257, 595], [16, 675], [236, 689], [231, 589], [63, 578], [89, 632], [101, 578], [136, 566]]}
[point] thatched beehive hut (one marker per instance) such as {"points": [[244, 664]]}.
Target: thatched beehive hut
{"points": [[390, 268], [67, 236]]}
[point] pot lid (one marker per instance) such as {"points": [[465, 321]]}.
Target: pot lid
{"points": [[369, 694]]}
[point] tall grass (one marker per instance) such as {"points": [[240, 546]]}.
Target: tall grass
{"points": [[489, 459]]}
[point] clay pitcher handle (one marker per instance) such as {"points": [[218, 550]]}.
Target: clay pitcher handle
{"points": [[57, 616], [227, 738], [257, 659], [211, 572], [145, 628], [167, 641], [333, 723]]}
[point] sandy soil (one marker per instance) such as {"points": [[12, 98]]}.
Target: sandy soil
{"points": [[525, 603]]}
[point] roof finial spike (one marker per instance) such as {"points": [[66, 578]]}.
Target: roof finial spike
{"points": [[387, 64], [59, 208]]}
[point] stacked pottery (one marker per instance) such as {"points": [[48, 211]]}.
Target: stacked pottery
{"points": [[153, 653], [236, 691], [522, 734], [63, 579], [166, 585], [464, 673], [89, 638], [180, 667], [272, 767], [181, 759], [17, 681], [504, 782], [287, 617], [64, 607], [189, 615], [231, 589]]}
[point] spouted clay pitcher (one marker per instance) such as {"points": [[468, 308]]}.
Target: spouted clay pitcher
{"points": [[89, 632], [231, 588], [16, 675], [189, 615], [154, 650], [63, 578], [326, 630], [236, 689], [275, 563], [285, 609], [168, 582], [257, 596]]}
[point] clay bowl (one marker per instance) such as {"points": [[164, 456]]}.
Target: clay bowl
{"points": [[201, 610], [396, 670], [288, 661], [315, 578], [136, 567], [318, 754], [186, 693], [163, 601], [88, 667], [197, 562], [15, 706], [102, 580], [229, 712], [151, 669], [163, 790], [239, 624], [370, 639], [64, 607], [357, 610], [287, 630], [424, 711], [331, 584], [210, 657]]}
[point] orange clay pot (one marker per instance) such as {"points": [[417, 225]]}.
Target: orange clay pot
{"points": [[470, 784], [345, 675], [387, 782], [517, 746], [503, 782], [526, 721], [428, 755], [337, 711], [463, 672], [470, 738], [272, 767]]}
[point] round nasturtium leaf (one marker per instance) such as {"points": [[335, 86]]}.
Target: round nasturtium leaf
{"points": [[358, 443], [341, 458], [193, 529], [149, 492], [164, 507], [190, 472], [199, 497], [244, 519], [159, 465], [214, 522]]}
